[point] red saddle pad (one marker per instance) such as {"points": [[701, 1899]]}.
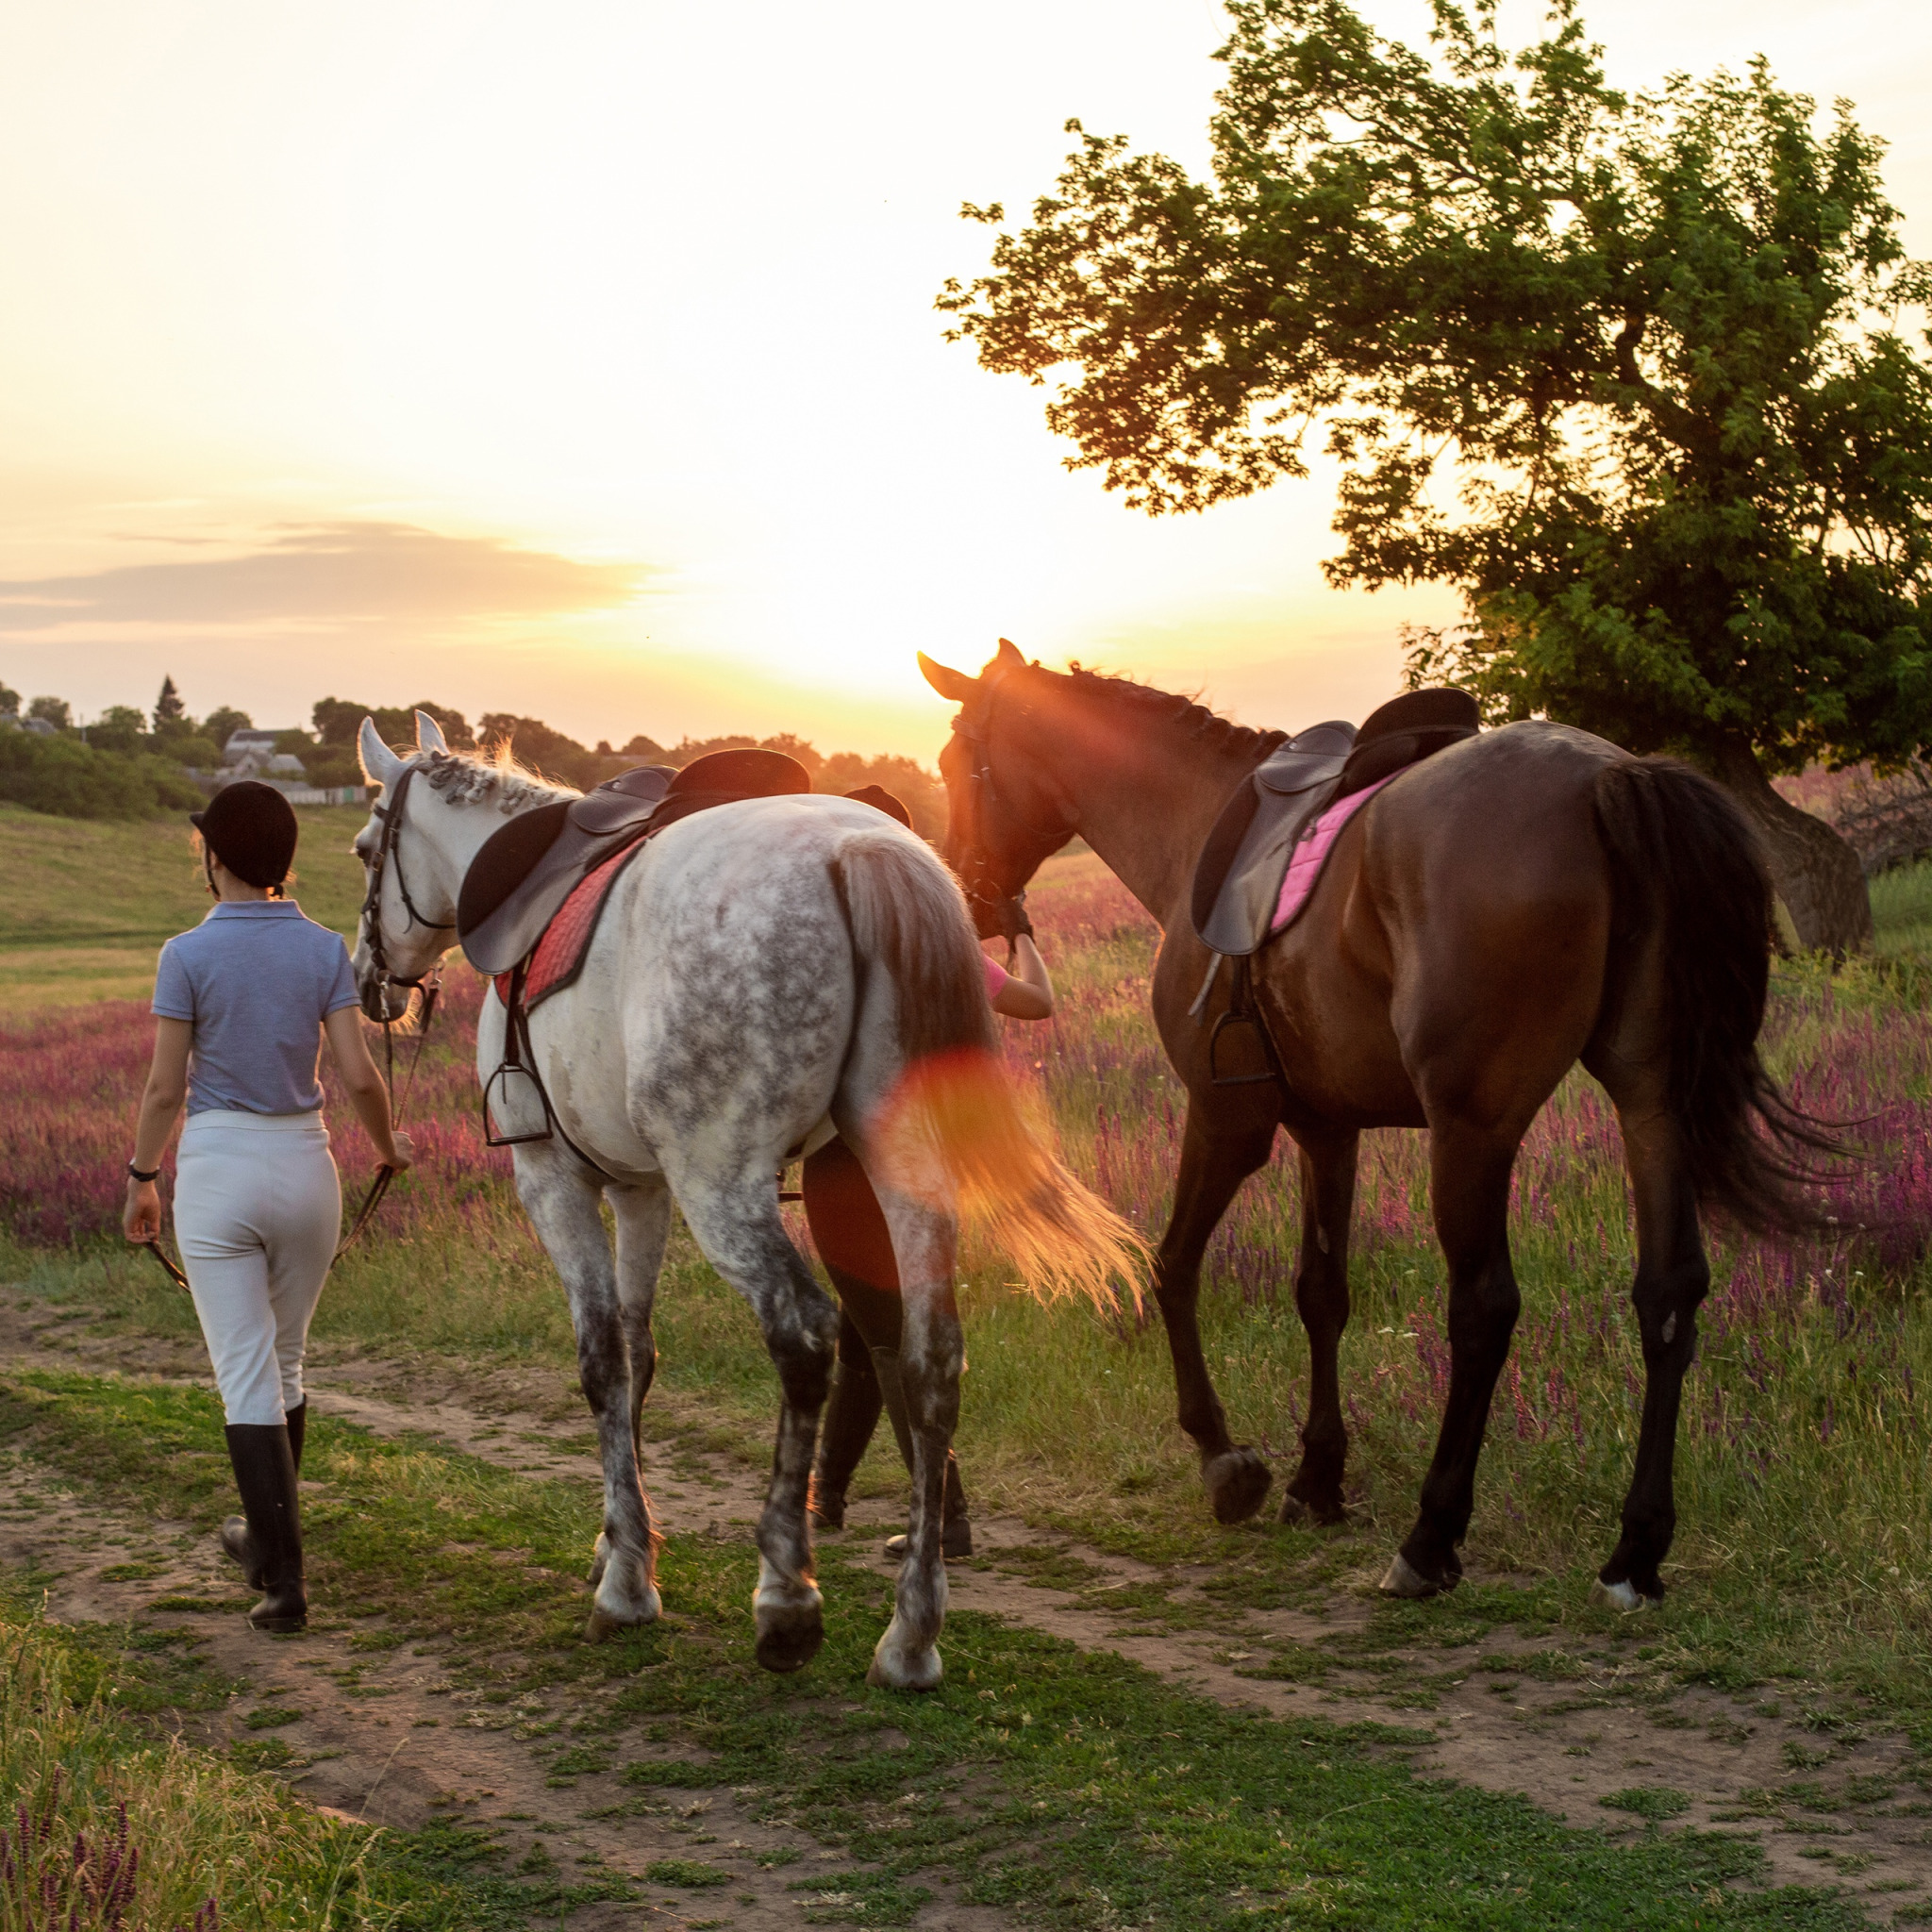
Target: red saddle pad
{"points": [[560, 953]]}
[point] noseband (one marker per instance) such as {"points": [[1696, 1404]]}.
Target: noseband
{"points": [[982, 886]]}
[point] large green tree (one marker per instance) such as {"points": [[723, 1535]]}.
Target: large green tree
{"points": [[1630, 372]]}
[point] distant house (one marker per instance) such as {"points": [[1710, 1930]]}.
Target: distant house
{"points": [[42, 726], [249, 743], [252, 754]]}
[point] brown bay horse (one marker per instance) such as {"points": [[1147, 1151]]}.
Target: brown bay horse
{"points": [[1521, 901]]}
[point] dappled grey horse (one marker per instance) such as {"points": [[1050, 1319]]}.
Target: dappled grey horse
{"points": [[764, 974]]}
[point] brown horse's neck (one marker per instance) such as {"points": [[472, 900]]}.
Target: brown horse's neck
{"points": [[1144, 787]]}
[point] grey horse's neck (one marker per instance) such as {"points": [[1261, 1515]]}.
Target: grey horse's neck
{"points": [[466, 800]]}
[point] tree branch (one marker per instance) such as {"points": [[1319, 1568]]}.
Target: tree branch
{"points": [[1673, 418]]}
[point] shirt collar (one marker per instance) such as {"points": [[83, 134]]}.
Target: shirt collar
{"points": [[254, 908]]}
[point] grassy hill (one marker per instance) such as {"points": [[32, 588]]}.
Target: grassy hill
{"points": [[89, 902]]}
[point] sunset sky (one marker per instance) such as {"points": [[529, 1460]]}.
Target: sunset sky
{"points": [[580, 359]]}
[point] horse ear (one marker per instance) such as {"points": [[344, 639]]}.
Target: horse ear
{"points": [[379, 763], [949, 684], [430, 734], [1010, 656]]}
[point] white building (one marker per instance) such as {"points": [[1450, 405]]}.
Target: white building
{"points": [[250, 743]]}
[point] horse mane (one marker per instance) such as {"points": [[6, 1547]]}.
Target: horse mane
{"points": [[468, 778], [1195, 721]]}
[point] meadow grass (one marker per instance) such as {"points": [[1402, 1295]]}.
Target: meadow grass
{"points": [[1072, 1788], [109, 1825], [89, 902], [1902, 910], [1804, 1489]]}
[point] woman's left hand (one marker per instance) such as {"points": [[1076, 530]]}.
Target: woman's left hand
{"points": [[141, 1219]]}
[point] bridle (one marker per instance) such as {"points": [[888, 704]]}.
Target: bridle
{"points": [[384, 860], [430, 983], [978, 869]]}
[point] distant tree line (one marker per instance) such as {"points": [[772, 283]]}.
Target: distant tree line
{"points": [[124, 765], [130, 764]]}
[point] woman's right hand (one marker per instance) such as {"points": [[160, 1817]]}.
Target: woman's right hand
{"points": [[140, 1218], [402, 1151]]}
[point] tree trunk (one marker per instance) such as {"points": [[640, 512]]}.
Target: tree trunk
{"points": [[1817, 875]]}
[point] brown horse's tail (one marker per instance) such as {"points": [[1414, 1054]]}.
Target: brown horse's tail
{"points": [[1683, 856], [954, 1116]]}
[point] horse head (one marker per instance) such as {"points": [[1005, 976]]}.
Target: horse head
{"points": [[1006, 813], [397, 942]]}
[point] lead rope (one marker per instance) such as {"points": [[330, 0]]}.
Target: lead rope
{"points": [[432, 988], [378, 1186]]}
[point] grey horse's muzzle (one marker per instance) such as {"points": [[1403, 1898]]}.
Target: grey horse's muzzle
{"points": [[385, 1002]]}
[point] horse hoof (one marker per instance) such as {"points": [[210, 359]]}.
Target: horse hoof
{"points": [[904, 1670], [1404, 1579], [1621, 1596], [1236, 1481], [602, 1625], [789, 1631], [790, 1644], [1298, 1513]]}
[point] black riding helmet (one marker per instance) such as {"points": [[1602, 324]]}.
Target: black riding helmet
{"points": [[251, 829]]}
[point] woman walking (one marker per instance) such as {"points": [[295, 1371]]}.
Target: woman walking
{"points": [[849, 1231], [243, 1004]]}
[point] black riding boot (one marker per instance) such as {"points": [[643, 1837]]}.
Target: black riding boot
{"points": [[956, 1529], [852, 1412], [265, 1473], [234, 1537]]}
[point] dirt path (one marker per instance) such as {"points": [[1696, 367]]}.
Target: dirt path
{"points": [[405, 1747], [384, 1736]]}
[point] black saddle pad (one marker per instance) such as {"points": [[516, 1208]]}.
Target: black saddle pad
{"points": [[1238, 876], [528, 868]]}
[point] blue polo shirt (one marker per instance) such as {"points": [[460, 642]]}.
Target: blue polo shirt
{"points": [[255, 979]]}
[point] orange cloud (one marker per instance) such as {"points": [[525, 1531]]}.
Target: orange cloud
{"points": [[331, 572]]}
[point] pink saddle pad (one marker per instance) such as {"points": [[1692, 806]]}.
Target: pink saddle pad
{"points": [[1312, 854]]}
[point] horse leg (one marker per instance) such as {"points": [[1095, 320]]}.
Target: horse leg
{"points": [[932, 1351], [1216, 1157], [642, 1212], [1470, 1185], [1321, 1295], [1673, 1277], [739, 1227], [563, 1204]]}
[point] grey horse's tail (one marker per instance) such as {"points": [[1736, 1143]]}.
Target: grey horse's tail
{"points": [[953, 1100]]}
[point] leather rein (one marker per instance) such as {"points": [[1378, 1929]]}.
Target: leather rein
{"points": [[430, 984]]}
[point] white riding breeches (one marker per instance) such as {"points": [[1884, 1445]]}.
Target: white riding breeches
{"points": [[258, 1213]]}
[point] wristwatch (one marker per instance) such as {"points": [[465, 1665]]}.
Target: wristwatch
{"points": [[136, 1174]]}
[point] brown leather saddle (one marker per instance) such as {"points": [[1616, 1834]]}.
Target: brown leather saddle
{"points": [[518, 882], [1239, 875]]}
